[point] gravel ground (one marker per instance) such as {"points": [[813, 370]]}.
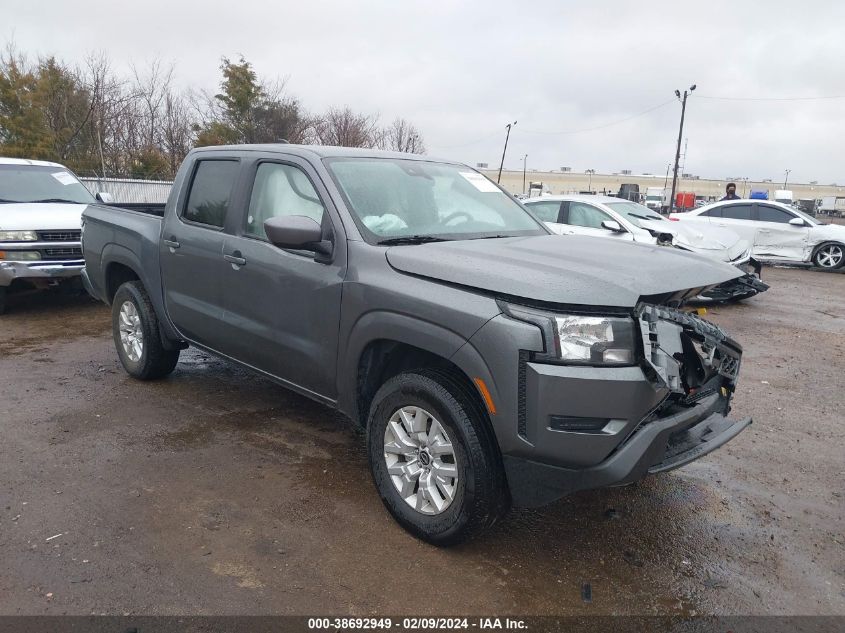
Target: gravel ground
{"points": [[217, 492]]}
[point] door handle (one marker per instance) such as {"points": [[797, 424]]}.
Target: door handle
{"points": [[171, 243], [764, 230], [721, 224], [235, 259]]}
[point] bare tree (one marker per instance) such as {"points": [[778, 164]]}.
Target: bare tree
{"points": [[343, 127], [402, 136]]}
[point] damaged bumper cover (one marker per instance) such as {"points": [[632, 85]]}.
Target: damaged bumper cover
{"points": [[690, 365]]}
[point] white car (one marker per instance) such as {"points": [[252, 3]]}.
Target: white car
{"points": [[615, 218], [41, 207], [777, 232]]}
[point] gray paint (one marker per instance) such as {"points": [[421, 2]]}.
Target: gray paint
{"points": [[305, 321], [567, 269]]}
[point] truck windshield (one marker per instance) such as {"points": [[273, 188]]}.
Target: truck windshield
{"points": [[397, 198], [38, 183]]}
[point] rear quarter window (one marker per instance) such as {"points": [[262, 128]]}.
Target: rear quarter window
{"points": [[211, 192]]}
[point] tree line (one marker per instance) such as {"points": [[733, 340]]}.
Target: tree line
{"points": [[97, 122]]}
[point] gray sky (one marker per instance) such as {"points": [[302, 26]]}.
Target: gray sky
{"points": [[460, 71]]}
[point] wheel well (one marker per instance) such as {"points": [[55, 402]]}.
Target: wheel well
{"points": [[825, 243], [383, 359], [117, 275]]}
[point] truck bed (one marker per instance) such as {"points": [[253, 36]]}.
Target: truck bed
{"points": [[124, 236]]}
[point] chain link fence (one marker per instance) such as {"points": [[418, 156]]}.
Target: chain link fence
{"points": [[130, 190]]}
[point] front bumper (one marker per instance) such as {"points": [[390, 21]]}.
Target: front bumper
{"points": [[589, 427], [58, 269], [656, 446]]}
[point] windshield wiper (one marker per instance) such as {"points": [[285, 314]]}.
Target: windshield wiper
{"points": [[56, 200], [410, 239], [645, 217]]}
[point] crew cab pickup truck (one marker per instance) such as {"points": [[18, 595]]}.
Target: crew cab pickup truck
{"points": [[41, 207], [490, 361]]}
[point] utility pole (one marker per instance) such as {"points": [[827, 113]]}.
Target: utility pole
{"points": [[524, 169], [502, 164], [680, 135], [786, 177]]}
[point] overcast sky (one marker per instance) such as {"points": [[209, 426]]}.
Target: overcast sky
{"points": [[460, 71]]}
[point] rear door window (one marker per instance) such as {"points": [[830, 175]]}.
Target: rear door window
{"points": [[211, 192], [737, 212]]}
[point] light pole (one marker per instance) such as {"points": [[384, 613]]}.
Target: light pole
{"points": [[524, 169], [786, 177], [502, 164], [590, 179], [678, 150]]}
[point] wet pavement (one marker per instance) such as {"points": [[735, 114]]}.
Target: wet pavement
{"points": [[217, 492]]}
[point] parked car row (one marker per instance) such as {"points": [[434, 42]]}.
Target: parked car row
{"points": [[623, 220]]}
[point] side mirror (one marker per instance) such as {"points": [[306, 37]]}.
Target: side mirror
{"points": [[298, 232], [797, 222], [104, 197], [612, 225]]}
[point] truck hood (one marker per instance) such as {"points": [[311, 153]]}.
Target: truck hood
{"points": [[41, 216], [721, 244], [564, 269]]}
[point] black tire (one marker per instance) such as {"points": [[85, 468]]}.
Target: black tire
{"points": [[3, 293], [829, 249], [154, 361], [481, 495]]}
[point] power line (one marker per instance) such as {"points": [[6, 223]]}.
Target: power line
{"points": [[465, 144], [606, 125], [822, 98]]}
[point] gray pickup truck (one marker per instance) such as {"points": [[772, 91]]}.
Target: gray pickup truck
{"points": [[490, 362]]}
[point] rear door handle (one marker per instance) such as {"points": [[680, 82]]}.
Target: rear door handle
{"points": [[171, 243], [235, 259]]}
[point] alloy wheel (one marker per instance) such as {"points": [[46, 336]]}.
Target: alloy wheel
{"points": [[131, 332], [420, 460], [830, 256]]}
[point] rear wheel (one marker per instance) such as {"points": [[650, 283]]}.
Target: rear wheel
{"points": [[433, 457], [3, 293], [830, 256], [136, 334]]}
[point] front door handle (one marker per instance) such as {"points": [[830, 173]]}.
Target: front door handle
{"points": [[171, 243], [235, 258]]}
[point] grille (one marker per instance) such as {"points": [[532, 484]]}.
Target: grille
{"points": [[73, 252], [60, 236]]}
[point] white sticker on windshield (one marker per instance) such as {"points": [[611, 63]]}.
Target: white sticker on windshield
{"points": [[479, 182], [64, 178]]}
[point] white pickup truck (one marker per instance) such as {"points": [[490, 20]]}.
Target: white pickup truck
{"points": [[41, 207]]}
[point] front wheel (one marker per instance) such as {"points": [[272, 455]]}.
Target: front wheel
{"points": [[136, 334], [434, 459], [3, 293], [830, 256]]}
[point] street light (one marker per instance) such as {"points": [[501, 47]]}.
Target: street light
{"points": [[786, 177], [590, 179], [502, 164], [678, 150], [524, 168]]}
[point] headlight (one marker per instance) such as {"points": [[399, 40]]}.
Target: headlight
{"points": [[581, 339], [20, 256], [18, 236]]}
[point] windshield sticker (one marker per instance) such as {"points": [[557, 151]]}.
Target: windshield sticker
{"points": [[64, 178], [479, 182]]}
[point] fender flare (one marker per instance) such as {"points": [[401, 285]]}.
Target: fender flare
{"points": [[394, 326]]}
